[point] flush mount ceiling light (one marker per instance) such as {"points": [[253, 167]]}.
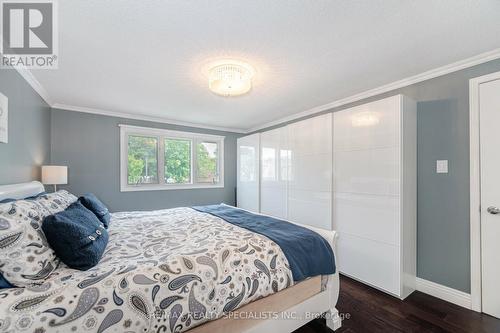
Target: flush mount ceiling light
{"points": [[230, 78]]}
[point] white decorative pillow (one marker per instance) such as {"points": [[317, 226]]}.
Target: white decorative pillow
{"points": [[25, 256]]}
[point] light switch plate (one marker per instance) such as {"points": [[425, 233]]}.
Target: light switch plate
{"points": [[442, 166]]}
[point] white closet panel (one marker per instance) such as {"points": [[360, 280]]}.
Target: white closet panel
{"points": [[374, 193], [310, 185], [369, 216], [368, 126], [248, 177], [275, 157], [369, 171], [311, 172], [312, 136], [374, 263], [310, 208]]}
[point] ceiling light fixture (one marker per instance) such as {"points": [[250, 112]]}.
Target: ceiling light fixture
{"points": [[230, 78]]}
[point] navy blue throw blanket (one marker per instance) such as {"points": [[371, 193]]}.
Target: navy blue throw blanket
{"points": [[307, 252]]}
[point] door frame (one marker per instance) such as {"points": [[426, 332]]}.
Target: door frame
{"points": [[475, 188]]}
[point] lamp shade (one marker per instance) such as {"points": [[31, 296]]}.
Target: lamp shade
{"points": [[54, 174]]}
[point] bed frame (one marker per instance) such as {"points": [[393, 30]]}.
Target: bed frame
{"points": [[21, 190], [321, 303]]}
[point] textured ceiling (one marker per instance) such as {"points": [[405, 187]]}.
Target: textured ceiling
{"points": [[149, 57]]}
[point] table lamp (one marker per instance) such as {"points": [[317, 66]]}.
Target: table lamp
{"points": [[54, 175]]}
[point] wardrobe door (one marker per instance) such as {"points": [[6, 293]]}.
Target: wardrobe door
{"points": [[248, 188], [366, 147], [274, 155], [310, 172]]}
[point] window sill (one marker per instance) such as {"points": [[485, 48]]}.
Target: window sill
{"points": [[157, 187]]}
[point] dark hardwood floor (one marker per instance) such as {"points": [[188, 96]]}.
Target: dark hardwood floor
{"points": [[368, 310]]}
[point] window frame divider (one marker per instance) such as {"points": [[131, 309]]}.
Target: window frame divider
{"points": [[161, 160]]}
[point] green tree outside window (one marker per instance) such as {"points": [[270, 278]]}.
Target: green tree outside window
{"points": [[177, 161], [207, 162], [142, 160]]}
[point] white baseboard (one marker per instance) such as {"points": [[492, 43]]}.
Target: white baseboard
{"points": [[445, 293]]}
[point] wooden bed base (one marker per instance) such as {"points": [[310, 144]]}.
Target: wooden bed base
{"points": [[254, 313]]}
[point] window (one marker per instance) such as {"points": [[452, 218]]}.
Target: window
{"points": [[207, 168], [157, 159], [142, 160]]}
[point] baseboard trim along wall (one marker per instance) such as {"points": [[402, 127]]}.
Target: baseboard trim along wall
{"points": [[445, 293]]}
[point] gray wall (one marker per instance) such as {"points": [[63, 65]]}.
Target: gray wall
{"points": [[443, 241], [90, 146], [29, 131], [443, 199]]}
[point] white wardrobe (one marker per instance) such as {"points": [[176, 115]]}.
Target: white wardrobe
{"points": [[353, 171], [295, 172], [375, 193]]}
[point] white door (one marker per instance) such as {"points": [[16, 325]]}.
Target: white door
{"points": [[489, 99], [366, 209], [248, 182]]}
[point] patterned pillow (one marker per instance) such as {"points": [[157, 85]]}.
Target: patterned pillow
{"points": [[25, 256], [56, 202]]}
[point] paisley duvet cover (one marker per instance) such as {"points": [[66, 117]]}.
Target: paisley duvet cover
{"points": [[163, 271]]}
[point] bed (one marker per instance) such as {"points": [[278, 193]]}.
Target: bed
{"points": [[173, 270]]}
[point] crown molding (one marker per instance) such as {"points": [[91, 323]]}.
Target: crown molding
{"points": [[440, 71], [34, 83], [143, 117], [431, 74]]}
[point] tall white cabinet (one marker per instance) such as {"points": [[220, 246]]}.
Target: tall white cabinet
{"points": [[353, 171], [374, 206]]}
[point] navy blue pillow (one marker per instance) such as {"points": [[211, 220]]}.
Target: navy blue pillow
{"points": [[91, 202], [77, 236]]}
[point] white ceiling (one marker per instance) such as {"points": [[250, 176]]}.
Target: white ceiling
{"points": [[148, 57]]}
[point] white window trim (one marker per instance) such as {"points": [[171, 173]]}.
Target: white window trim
{"points": [[161, 134]]}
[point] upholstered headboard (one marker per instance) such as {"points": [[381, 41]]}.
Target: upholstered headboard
{"points": [[21, 190]]}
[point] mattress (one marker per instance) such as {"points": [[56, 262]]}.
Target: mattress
{"points": [[168, 270]]}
